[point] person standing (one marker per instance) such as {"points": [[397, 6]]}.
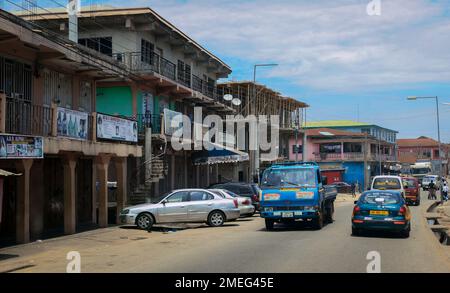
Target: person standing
{"points": [[445, 192], [432, 190], [353, 187]]}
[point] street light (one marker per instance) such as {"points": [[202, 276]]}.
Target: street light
{"points": [[414, 98], [255, 156]]}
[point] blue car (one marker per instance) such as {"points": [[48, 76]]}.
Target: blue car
{"points": [[381, 210]]}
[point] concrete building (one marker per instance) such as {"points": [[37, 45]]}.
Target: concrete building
{"points": [[259, 100], [423, 149], [343, 155], [49, 136], [172, 74], [366, 150]]}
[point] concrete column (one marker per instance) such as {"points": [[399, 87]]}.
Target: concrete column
{"points": [[102, 163], [2, 113], [23, 201], [121, 169], [186, 183], [216, 173], [236, 172], [148, 156], [208, 175], [197, 176], [94, 192], [172, 172], [69, 164]]}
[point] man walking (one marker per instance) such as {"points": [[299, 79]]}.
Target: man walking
{"points": [[353, 187], [445, 192]]}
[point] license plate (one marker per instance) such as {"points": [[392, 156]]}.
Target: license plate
{"points": [[379, 213], [287, 215]]}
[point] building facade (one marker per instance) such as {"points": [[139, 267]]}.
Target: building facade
{"points": [[172, 75], [49, 136]]}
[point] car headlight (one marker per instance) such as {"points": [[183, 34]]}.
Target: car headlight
{"points": [[125, 212], [269, 209]]}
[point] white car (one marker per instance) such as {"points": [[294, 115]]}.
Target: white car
{"points": [[387, 182], [246, 208], [183, 206], [427, 180]]}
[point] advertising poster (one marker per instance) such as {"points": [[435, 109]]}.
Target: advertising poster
{"points": [[72, 124], [115, 128], [20, 147], [173, 121]]}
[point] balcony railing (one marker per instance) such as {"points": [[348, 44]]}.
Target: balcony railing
{"points": [[145, 121], [27, 119], [138, 62]]}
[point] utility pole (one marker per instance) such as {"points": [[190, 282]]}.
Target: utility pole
{"points": [[305, 138]]}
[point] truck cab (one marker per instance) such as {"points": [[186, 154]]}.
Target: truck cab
{"points": [[296, 192]]}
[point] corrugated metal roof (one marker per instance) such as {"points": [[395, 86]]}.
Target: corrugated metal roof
{"points": [[334, 123]]}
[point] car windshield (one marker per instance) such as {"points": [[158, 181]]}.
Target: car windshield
{"points": [[230, 193], [217, 192], [420, 171], [386, 183], [409, 182], [289, 177], [379, 198]]}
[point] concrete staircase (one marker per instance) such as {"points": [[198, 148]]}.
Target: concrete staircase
{"points": [[142, 193]]}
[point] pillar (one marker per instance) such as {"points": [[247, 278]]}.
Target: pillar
{"points": [[23, 201], [94, 192], [148, 156], [69, 164], [102, 163], [208, 169], [121, 169], [186, 183], [197, 176], [172, 172], [2, 112]]}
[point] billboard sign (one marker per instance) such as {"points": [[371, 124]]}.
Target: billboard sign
{"points": [[115, 128]]}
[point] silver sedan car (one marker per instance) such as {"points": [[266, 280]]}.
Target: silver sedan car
{"points": [[183, 206], [244, 203]]}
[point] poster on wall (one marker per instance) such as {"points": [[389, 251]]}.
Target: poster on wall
{"points": [[115, 128], [173, 121], [72, 124], [21, 147]]}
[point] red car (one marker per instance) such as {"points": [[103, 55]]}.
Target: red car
{"points": [[412, 190]]}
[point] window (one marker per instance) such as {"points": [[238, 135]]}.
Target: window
{"points": [[352, 147], [85, 96], [297, 149], [387, 183], [334, 148], [147, 51], [200, 196], [181, 196], [101, 44], [57, 87], [380, 198], [184, 73]]}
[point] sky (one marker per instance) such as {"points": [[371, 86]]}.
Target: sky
{"points": [[333, 55]]}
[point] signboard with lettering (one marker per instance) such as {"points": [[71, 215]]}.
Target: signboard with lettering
{"points": [[72, 124], [115, 128], [21, 147]]}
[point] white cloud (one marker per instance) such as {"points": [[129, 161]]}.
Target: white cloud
{"points": [[326, 45]]}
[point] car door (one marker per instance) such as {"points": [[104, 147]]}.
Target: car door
{"points": [[174, 208], [201, 203]]}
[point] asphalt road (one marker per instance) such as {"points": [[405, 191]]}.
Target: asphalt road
{"points": [[243, 246]]}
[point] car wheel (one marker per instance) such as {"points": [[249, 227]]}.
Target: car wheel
{"points": [[216, 219], [269, 224], [318, 222], [405, 233], [330, 213], [144, 221]]}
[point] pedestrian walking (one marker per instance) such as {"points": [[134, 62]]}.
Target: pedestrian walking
{"points": [[353, 187], [432, 191], [445, 192]]}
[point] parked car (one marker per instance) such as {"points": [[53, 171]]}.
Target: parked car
{"points": [[183, 206], [244, 203], [250, 190], [412, 190], [388, 182], [427, 180], [381, 210], [343, 187]]}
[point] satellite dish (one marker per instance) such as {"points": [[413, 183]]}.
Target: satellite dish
{"points": [[228, 97], [236, 102]]}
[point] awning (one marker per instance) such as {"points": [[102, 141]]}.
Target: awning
{"points": [[4, 173], [219, 155]]}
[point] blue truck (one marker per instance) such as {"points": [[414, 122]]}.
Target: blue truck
{"points": [[296, 192]]}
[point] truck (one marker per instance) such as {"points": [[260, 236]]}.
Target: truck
{"points": [[421, 169], [296, 192]]}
